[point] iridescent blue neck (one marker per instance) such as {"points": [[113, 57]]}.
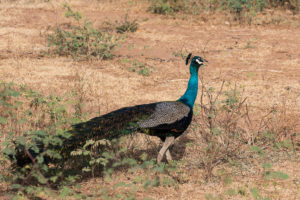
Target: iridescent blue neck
{"points": [[190, 94]]}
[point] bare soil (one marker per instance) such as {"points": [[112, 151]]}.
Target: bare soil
{"points": [[262, 59]]}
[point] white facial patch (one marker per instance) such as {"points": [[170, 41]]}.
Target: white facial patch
{"points": [[199, 62]]}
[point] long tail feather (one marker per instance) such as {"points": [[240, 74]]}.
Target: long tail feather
{"points": [[112, 125]]}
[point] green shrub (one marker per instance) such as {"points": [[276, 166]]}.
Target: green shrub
{"points": [[292, 4], [33, 125], [127, 26], [81, 41], [167, 6], [141, 68], [182, 54], [242, 10]]}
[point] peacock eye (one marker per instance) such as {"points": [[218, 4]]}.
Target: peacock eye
{"points": [[198, 61]]}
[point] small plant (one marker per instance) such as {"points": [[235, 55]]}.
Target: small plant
{"points": [[130, 46], [182, 54], [270, 174], [231, 192], [127, 26], [249, 45], [81, 41], [96, 156], [141, 68]]}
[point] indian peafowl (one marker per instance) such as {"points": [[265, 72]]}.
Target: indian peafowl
{"points": [[166, 120]]}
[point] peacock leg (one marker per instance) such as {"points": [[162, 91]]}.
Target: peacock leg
{"points": [[168, 142], [168, 155]]}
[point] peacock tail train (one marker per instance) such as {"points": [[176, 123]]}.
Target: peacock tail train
{"points": [[109, 126]]}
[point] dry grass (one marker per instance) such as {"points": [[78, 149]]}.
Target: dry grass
{"points": [[263, 58]]}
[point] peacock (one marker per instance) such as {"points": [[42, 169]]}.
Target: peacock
{"points": [[166, 120]]}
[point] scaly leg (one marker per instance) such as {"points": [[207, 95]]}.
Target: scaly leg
{"points": [[168, 155], [168, 142]]}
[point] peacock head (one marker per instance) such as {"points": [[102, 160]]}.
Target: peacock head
{"points": [[195, 61]]}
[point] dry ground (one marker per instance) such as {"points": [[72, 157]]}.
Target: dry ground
{"points": [[264, 59]]}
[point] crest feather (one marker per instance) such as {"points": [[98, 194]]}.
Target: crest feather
{"points": [[188, 58]]}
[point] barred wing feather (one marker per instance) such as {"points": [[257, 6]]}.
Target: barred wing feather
{"points": [[166, 113]]}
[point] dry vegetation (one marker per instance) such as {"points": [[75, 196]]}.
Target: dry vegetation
{"points": [[244, 141]]}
